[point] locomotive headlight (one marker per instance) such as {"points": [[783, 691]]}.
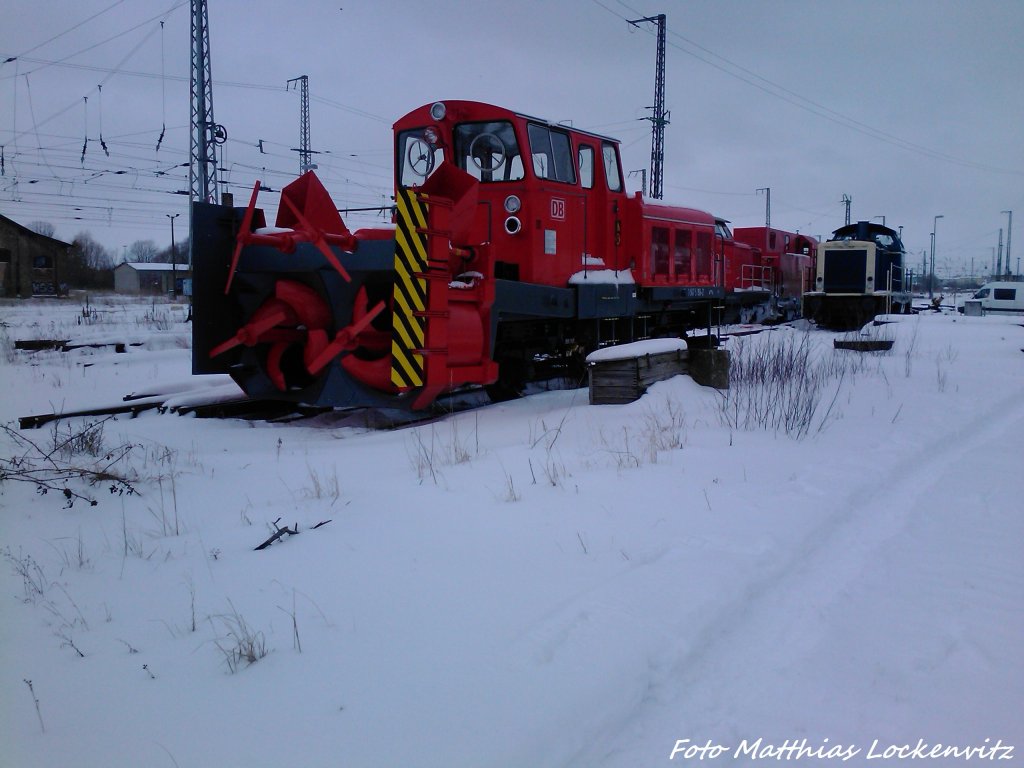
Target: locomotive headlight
{"points": [[438, 111], [512, 204], [513, 225], [430, 134]]}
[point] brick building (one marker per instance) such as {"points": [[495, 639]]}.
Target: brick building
{"points": [[29, 262]]}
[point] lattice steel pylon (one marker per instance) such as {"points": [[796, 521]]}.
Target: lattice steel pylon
{"points": [[305, 153], [659, 117], [205, 133]]}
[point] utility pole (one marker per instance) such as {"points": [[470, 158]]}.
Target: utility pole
{"points": [[847, 200], [305, 153], [205, 133], [174, 257], [767, 212], [767, 205], [999, 261], [643, 180], [659, 117], [931, 276], [1009, 233]]}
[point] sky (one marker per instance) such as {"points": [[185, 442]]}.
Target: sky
{"points": [[913, 109]]}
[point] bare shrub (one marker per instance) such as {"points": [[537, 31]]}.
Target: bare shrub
{"points": [[33, 580], [75, 455], [623, 453], [664, 427], [511, 494], [8, 353], [909, 351], [941, 375], [775, 384], [35, 699], [322, 486], [71, 552], [240, 642], [86, 440], [428, 456]]}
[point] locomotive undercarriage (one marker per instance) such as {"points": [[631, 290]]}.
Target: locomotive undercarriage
{"points": [[543, 332], [556, 348], [848, 313]]}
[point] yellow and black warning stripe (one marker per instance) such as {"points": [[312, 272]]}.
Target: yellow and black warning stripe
{"points": [[410, 297]]}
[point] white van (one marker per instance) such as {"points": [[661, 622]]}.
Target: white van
{"points": [[1000, 297]]}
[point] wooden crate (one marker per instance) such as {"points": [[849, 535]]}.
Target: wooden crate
{"points": [[710, 367], [625, 379]]}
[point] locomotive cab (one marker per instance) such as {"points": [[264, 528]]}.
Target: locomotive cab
{"points": [[859, 273], [547, 195]]}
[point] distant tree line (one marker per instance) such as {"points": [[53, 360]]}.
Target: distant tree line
{"points": [[91, 265]]}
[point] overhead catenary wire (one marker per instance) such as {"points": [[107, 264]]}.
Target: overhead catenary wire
{"points": [[737, 71], [85, 122], [163, 91], [103, 144], [66, 31]]}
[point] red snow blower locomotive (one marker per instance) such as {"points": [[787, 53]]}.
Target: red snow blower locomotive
{"points": [[515, 251]]}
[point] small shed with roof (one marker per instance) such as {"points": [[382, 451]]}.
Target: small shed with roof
{"points": [[150, 277]]}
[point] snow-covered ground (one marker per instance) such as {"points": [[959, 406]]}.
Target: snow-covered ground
{"points": [[536, 583]]}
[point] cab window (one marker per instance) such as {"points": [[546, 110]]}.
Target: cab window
{"points": [[416, 157], [586, 157], [611, 167], [488, 151], [551, 152]]}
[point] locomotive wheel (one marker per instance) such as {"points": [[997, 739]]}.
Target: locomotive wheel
{"points": [[511, 383]]}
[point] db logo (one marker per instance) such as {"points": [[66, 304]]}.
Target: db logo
{"points": [[558, 209]]}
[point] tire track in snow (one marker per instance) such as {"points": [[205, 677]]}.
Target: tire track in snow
{"points": [[785, 609]]}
